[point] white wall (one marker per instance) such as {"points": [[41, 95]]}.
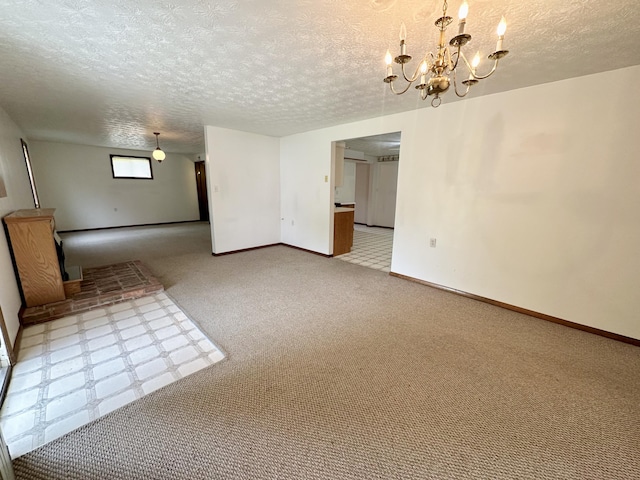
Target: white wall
{"points": [[243, 176], [305, 189], [533, 198], [14, 174], [77, 181]]}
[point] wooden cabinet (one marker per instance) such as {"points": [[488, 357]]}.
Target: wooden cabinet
{"points": [[36, 258], [342, 231]]}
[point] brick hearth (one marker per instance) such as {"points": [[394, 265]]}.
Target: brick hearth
{"points": [[100, 286]]}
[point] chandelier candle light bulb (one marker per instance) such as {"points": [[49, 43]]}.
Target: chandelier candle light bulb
{"points": [[476, 61], [423, 70], [502, 28], [462, 14], [474, 64], [403, 37], [388, 59]]}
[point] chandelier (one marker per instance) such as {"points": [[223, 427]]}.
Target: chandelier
{"points": [[439, 66]]}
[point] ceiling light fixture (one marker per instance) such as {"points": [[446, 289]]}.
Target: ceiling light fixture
{"points": [[442, 64], [158, 154]]}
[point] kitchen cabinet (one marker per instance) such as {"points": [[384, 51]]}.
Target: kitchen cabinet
{"points": [[342, 230]]}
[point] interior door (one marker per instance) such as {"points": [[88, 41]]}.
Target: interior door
{"points": [[362, 193], [385, 191], [201, 184]]}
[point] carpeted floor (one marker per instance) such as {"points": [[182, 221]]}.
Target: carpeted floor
{"points": [[337, 371]]}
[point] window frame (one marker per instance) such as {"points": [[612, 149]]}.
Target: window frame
{"points": [[113, 173], [32, 179]]}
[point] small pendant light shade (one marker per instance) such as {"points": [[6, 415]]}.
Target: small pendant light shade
{"points": [[158, 154]]}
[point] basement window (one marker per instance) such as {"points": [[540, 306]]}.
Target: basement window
{"points": [[131, 167]]}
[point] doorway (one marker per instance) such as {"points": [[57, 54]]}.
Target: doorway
{"points": [[201, 185], [371, 165], [370, 179]]}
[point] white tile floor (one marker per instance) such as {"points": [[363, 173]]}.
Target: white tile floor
{"points": [[372, 248], [73, 370]]}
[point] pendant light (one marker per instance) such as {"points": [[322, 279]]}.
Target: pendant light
{"points": [[158, 154]]}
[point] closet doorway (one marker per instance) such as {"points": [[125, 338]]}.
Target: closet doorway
{"points": [[201, 186]]}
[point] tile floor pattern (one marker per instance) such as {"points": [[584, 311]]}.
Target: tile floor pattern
{"points": [[75, 369], [371, 248]]}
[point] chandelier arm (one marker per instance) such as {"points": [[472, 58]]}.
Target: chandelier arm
{"points": [[415, 75], [464, 59], [399, 93], [482, 77], [457, 54], [473, 74], [452, 67], [455, 86]]}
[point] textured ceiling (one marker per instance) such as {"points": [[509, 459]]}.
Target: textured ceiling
{"points": [[110, 72], [384, 145]]}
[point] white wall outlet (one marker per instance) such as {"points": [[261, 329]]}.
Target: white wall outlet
{"points": [[432, 242]]}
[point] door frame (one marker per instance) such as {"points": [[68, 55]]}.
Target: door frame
{"points": [[201, 190]]}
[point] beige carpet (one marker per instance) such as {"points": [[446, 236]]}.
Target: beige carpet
{"points": [[337, 371]]}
